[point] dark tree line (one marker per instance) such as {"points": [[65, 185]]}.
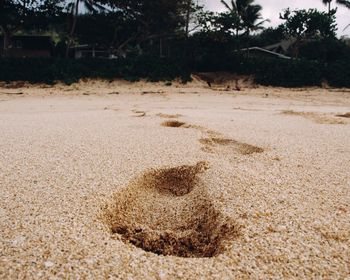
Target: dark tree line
{"points": [[177, 28]]}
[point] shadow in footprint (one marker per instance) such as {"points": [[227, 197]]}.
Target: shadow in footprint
{"points": [[346, 115], [168, 212], [173, 124], [209, 145]]}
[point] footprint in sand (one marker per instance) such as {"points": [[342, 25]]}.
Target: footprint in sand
{"points": [[172, 123], [169, 116], [346, 115], [169, 212], [318, 118], [212, 144], [139, 114]]}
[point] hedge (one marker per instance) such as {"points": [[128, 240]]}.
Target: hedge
{"points": [[281, 72], [49, 70], [267, 71]]}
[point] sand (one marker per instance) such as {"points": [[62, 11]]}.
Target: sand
{"points": [[98, 180]]}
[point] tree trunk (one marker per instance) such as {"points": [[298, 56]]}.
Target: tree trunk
{"points": [[247, 45], [187, 27], [237, 40], [7, 40], [188, 17], [74, 24], [160, 47]]}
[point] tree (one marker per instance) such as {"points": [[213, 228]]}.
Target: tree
{"points": [[345, 3], [252, 18], [269, 36], [74, 7], [153, 20], [191, 13], [243, 15], [17, 15], [304, 25], [234, 13], [309, 23]]}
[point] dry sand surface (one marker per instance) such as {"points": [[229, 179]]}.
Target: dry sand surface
{"points": [[143, 181]]}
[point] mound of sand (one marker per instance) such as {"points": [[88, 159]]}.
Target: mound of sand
{"points": [[223, 80], [168, 212]]}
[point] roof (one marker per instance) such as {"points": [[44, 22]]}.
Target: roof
{"points": [[284, 45], [267, 52], [88, 47]]}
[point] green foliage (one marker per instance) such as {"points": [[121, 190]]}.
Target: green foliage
{"points": [[28, 15], [266, 71], [309, 23], [288, 73], [156, 39], [245, 15], [268, 36], [338, 73], [327, 50], [39, 70]]}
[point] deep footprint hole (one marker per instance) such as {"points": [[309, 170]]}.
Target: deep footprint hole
{"points": [[173, 123], [176, 181], [346, 115], [168, 212]]}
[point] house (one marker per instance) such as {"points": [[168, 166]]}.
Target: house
{"points": [[278, 50], [282, 47], [262, 52], [28, 46], [89, 51]]}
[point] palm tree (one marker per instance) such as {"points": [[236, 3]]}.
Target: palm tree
{"points": [[248, 14], [233, 9], [345, 3], [252, 18], [73, 7]]}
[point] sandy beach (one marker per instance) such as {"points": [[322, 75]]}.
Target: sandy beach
{"points": [[146, 181]]}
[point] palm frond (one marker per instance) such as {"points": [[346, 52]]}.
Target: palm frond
{"points": [[89, 6], [226, 5], [234, 5], [345, 3]]}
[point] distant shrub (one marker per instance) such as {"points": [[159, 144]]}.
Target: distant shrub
{"points": [[288, 73], [266, 71], [49, 70], [338, 73], [280, 72]]}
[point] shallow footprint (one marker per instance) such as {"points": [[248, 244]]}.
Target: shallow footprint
{"points": [[168, 212], [139, 114], [209, 145]]}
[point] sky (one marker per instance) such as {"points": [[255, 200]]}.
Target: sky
{"points": [[272, 8]]}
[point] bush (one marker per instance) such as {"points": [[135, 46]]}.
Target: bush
{"points": [[289, 73], [267, 71], [280, 72], [49, 70], [338, 73]]}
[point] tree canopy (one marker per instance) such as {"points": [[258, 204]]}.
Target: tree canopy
{"points": [[164, 27]]}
